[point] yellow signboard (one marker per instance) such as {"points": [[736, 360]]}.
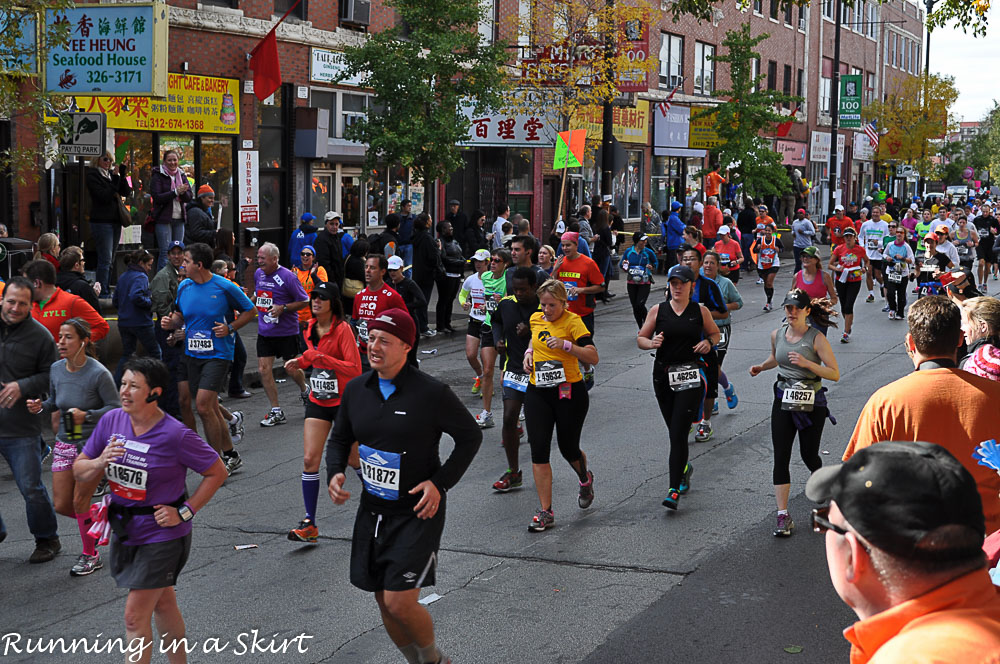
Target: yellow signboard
{"points": [[630, 125], [200, 104], [701, 131]]}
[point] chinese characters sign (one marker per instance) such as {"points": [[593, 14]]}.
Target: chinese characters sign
{"points": [[200, 104], [248, 186], [629, 125], [518, 129], [112, 50]]}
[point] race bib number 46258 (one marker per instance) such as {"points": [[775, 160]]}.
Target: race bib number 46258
{"points": [[125, 482], [380, 472]]}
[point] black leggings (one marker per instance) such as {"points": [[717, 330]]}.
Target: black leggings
{"points": [[637, 295], [783, 436], [896, 295], [680, 410], [544, 410], [848, 293]]}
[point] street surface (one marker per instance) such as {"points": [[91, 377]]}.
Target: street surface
{"points": [[625, 581]]}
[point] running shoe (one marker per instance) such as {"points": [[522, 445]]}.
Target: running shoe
{"points": [[994, 276], [233, 462], [543, 520], [715, 407], [85, 565], [588, 379], [428, 333], [673, 497], [686, 479], [306, 532], [509, 480], [846, 339], [304, 395], [46, 452], [886, 308], [704, 431], [521, 416], [731, 398], [760, 282], [236, 427], [477, 387], [102, 488], [892, 315], [785, 526], [870, 298], [767, 307], [274, 418], [586, 496], [485, 420], [985, 286], [520, 430]]}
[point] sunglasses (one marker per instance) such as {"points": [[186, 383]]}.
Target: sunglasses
{"points": [[821, 521], [496, 260], [306, 253]]}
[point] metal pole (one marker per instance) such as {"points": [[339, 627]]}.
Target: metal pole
{"points": [[607, 119], [835, 107]]}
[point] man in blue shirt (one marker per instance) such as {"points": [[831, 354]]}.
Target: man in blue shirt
{"points": [[673, 235]]}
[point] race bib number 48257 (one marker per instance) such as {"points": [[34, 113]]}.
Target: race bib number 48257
{"points": [[125, 482], [380, 472]]}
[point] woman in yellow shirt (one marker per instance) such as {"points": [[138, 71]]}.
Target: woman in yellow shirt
{"points": [[556, 397]]}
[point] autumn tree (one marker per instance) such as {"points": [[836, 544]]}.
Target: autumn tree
{"points": [[748, 111]]}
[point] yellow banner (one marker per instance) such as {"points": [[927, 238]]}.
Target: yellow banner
{"points": [[630, 125], [701, 131], [199, 104]]}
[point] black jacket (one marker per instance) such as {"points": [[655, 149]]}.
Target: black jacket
{"points": [[103, 193], [330, 254], [475, 238], [459, 222], [75, 283], [384, 240], [27, 352], [403, 425], [452, 257], [200, 227], [426, 257], [412, 296]]}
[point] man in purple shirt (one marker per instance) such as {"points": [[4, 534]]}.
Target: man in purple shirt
{"points": [[278, 295]]}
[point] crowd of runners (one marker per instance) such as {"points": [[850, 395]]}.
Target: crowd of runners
{"points": [[530, 330]]}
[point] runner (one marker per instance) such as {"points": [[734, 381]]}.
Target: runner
{"points": [[376, 297], [679, 330], [145, 455], [583, 280], [872, 234], [803, 357], [397, 531], [921, 230], [766, 248], [494, 290], [639, 263], [53, 306], [730, 255], [988, 228], [279, 296], [556, 396], [333, 355], [816, 283], [966, 241], [944, 245], [899, 260], [734, 302], [83, 391], [837, 224], [511, 325], [203, 300], [850, 263], [471, 299]]}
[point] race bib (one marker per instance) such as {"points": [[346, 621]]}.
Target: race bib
{"points": [[515, 381], [724, 259], [570, 284], [363, 331], [200, 342], [125, 482], [324, 385], [963, 250], [895, 276], [637, 272], [264, 300], [723, 337], [479, 308], [798, 397], [549, 373], [491, 304], [767, 258], [380, 472], [874, 242], [684, 376]]}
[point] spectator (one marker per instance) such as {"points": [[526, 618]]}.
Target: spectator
{"points": [[449, 280], [28, 353], [200, 227], [303, 235], [475, 234], [412, 296], [981, 328], [388, 242], [672, 231], [310, 273], [225, 269], [225, 248], [406, 219], [507, 231], [135, 307], [48, 249], [938, 402], [459, 222], [496, 232], [713, 221], [70, 277], [163, 294], [171, 193], [329, 250], [427, 265], [904, 534], [3, 230], [354, 273], [583, 219], [106, 187], [53, 306], [603, 244], [618, 226]]}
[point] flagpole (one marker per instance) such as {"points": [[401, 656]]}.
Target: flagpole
{"points": [[562, 184]]}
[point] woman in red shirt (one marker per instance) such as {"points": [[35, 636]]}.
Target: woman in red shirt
{"points": [[48, 248], [333, 354], [850, 263]]}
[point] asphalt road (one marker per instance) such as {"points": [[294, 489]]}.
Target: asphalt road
{"points": [[625, 581]]}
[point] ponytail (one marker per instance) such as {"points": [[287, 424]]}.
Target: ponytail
{"points": [[821, 312]]}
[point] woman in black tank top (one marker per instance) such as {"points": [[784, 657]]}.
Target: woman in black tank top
{"points": [[680, 331]]}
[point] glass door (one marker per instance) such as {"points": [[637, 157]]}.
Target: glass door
{"points": [[321, 194], [350, 197]]}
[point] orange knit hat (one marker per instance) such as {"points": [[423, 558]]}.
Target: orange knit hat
{"points": [[205, 190]]}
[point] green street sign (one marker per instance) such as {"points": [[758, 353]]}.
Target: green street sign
{"points": [[850, 101]]}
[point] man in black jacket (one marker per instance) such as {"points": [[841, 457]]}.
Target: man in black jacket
{"points": [[329, 251], [387, 242], [70, 277], [413, 296], [458, 220], [200, 226], [449, 281], [398, 530]]}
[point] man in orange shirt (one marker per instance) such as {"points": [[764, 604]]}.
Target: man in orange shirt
{"points": [[583, 279], [837, 224], [904, 531], [938, 402], [713, 181], [53, 306], [711, 222]]}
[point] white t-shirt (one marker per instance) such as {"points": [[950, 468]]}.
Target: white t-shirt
{"points": [[872, 233], [474, 290]]}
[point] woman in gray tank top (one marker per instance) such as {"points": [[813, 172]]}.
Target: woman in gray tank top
{"points": [[804, 358]]}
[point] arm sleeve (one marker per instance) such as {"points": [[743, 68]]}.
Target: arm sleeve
{"points": [[109, 395], [463, 295], [456, 421], [99, 327]]}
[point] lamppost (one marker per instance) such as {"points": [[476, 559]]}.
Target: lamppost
{"points": [[927, 70], [835, 107]]}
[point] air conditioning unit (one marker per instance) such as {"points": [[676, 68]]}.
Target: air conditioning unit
{"points": [[802, 24], [357, 12]]}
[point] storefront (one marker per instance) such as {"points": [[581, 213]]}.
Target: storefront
{"points": [[819, 170], [674, 165]]}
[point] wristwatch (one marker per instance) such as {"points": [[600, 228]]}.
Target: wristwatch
{"points": [[185, 512], [232, 330]]}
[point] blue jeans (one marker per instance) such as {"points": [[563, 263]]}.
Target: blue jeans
{"points": [[24, 457], [405, 251], [103, 235], [130, 335], [797, 252], [746, 239], [165, 234]]}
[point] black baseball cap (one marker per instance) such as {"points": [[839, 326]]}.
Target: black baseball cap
{"points": [[682, 272], [325, 291], [797, 298], [910, 499]]}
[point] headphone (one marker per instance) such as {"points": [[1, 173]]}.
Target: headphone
{"points": [[153, 396]]}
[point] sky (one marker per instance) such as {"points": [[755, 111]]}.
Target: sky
{"points": [[957, 54]]}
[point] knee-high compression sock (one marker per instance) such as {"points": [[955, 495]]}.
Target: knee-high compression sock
{"points": [[84, 522], [310, 494], [769, 292], [723, 379]]}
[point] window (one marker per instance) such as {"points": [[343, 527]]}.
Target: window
{"points": [[869, 87], [345, 108], [671, 59], [828, 9], [282, 6], [799, 83], [892, 46], [859, 17], [872, 19], [754, 73], [523, 23], [826, 86], [486, 21], [772, 75], [758, 6], [918, 65], [774, 9], [519, 169], [845, 14], [788, 15], [352, 108], [786, 82], [704, 68], [233, 4], [627, 187], [802, 18]]}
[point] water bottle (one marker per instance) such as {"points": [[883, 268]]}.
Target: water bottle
{"points": [[73, 431]]}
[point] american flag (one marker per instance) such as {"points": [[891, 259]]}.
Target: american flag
{"points": [[872, 133], [664, 105]]}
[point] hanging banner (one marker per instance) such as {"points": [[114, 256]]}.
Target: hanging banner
{"points": [[249, 186], [850, 101], [199, 104], [629, 125]]}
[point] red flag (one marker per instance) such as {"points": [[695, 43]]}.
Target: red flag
{"points": [[265, 66], [786, 127], [664, 105]]}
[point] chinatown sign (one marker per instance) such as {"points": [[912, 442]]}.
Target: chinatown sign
{"points": [[111, 50]]}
